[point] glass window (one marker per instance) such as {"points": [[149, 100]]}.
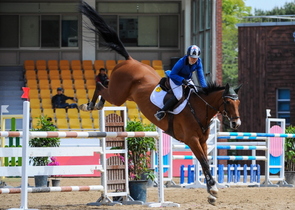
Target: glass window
{"points": [[169, 31], [9, 31], [69, 29], [148, 31], [50, 31], [128, 30], [29, 31]]}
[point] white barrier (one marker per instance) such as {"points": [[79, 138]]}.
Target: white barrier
{"points": [[25, 170]]}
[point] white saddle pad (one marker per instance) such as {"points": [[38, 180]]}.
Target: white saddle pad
{"points": [[157, 98]]}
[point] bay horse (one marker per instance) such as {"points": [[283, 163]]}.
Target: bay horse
{"points": [[135, 81]]}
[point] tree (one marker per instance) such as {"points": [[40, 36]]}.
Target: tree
{"points": [[287, 9], [232, 13]]}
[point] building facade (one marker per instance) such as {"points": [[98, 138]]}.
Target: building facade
{"points": [[266, 70], [55, 30]]}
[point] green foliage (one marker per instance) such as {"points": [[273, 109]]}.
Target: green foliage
{"points": [[44, 124], [287, 9], [290, 150], [232, 13], [139, 158]]}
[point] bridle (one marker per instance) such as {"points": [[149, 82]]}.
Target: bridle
{"points": [[224, 112]]}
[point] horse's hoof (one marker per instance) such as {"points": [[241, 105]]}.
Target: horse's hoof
{"points": [[214, 191], [212, 200], [98, 106], [83, 107]]}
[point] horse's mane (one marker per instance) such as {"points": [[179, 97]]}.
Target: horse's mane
{"points": [[211, 87]]}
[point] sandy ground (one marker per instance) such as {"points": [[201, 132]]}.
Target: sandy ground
{"points": [[253, 198]]}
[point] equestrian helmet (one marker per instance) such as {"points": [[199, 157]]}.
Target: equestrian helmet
{"points": [[194, 51]]}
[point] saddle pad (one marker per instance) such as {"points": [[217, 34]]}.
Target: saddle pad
{"points": [[157, 98]]}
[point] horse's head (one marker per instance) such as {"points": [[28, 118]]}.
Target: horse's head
{"points": [[231, 104]]}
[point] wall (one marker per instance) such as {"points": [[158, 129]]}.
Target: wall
{"points": [[266, 63]]}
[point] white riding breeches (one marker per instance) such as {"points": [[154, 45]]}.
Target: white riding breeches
{"points": [[177, 89]]}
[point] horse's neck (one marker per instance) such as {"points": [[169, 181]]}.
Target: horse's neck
{"points": [[210, 104]]}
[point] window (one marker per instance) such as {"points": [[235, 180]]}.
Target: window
{"points": [[147, 24], [32, 28], [9, 31], [283, 104]]}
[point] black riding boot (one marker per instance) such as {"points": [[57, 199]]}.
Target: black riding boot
{"points": [[168, 105]]}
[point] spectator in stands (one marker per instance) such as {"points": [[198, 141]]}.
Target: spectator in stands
{"points": [[59, 100], [102, 77]]}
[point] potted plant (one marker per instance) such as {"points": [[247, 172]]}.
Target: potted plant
{"points": [[44, 124], [290, 156], [139, 159]]}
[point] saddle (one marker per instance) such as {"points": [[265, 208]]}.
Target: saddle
{"points": [[165, 85]]}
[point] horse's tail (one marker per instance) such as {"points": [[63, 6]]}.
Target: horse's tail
{"points": [[101, 27]]}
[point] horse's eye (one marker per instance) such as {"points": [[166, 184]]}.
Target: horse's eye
{"points": [[227, 102]]}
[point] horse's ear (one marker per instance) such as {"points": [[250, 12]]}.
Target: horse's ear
{"points": [[238, 88], [226, 91]]}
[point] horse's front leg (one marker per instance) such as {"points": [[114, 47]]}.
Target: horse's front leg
{"points": [[200, 151]]}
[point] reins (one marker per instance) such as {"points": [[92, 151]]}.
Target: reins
{"points": [[224, 112]]}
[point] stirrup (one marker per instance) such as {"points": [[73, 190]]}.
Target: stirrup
{"points": [[160, 115]]}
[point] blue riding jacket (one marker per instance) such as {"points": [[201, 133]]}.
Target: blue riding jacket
{"points": [[183, 70]]}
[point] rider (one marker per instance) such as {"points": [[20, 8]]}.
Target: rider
{"points": [[181, 74]]}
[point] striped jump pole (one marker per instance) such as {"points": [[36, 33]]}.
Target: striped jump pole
{"points": [[53, 189]]}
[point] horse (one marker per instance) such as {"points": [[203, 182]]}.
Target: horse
{"points": [[135, 81]]}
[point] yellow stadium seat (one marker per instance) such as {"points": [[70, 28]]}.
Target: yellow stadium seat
{"points": [[110, 64], [54, 74], [87, 65], [32, 84], [60, 113], [79, 84], [73, 113], [90, 84], [89, 75], [65, 74], [44, 84], [81, 93], [42, 74], [54, 84], [35, 121], [64, 65], [45, 94], [95, 124], [87, 124], [98, 64], [34, 93], [90, 93], [131, 105], [133, 114], [120, 61], [35, 113], [41, 65], [147, 62], [69, 92], [85, 115], [78, 74], [35, 103], [67, 84], [29, 64], [76, 65], [52, 65], [74, 124], [161, 73], [82, 101], [62, 124], [46, 103], [157, 64], [30, 75], [48, 112]]}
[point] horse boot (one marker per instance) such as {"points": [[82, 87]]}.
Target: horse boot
{"points": [[168, 105]]}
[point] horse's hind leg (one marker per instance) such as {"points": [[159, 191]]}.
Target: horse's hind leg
{"points": [[200, 151], [91, 105]]}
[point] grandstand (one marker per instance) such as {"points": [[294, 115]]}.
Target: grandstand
{"points": [[77, 78]]}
